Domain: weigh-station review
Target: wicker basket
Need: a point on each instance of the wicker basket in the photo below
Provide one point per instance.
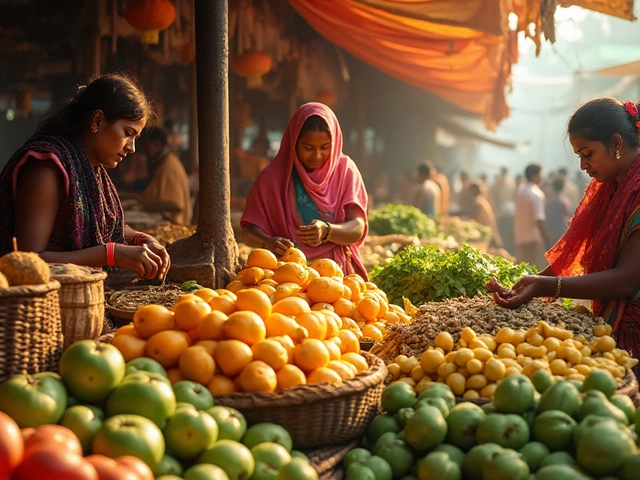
(81, 304)
(327, 461)
(317, 415)
(31, 338)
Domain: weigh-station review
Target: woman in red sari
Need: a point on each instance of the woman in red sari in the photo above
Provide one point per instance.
(311, 195)
(598, 257)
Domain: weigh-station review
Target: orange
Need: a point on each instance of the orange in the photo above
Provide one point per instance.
(310, 354)
(343, 307)
(189, 314)
(372, 332)
(290, 376)
(291, 272)
(315, 323)
(391, 317)
(221, 385)
(231, 356)
(356, 360)
(235, 286)
(270, 352)
(186, 296)
(130, 346)
(324, 375)
(224, 303)
(211, 327)
(209, 345)
(326, 267)
(292, 254)
(206, 294)
(350, 366)
(324, 289)
(268, 275)
(166, 347)
(268, 282)
(350, 324)
(174, 375)
(129, 329)
(254, 300)
(342, 369)
(251, 275)
(334, 316)
(270, 291)
(332, 325)
(245, 326)
(369, 308)
(286, 290)
(278, 324)
(152, 319)
(287, 343)
(305, 297)
(346, 292)
(350, 342)
(197, 365)
(371, 286)
(382, 300)
(291, 306)
(312, 274)
(334, 350)
(322, 306)
(258, 377)
(227, 293)
(237, 384)
(263, 258)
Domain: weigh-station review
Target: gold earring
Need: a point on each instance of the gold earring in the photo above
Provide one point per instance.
(617, 154)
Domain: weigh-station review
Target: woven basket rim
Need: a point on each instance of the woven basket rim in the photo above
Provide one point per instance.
(29, 290)
(94, 276)
(304, 394)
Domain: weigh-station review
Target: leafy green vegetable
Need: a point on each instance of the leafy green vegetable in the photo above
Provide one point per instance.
(190, 286)
(425, 274)
(403, 220)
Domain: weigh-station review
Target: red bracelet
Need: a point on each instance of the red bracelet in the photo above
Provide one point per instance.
(111, 254)
(134, 239)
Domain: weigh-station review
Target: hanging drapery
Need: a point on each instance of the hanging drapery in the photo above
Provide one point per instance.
(465, 67)
(618, 8)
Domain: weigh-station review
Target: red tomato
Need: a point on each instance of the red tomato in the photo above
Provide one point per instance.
(54, 462)
(11, 445)
(139, 466)
(26, 433)
(109, 469)
(54, 435)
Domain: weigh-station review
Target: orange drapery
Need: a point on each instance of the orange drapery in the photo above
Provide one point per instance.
(465, 67)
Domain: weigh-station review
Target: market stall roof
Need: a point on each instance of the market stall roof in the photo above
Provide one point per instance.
(617, 8)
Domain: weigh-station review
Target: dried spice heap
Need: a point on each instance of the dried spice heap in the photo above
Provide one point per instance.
(132, 300)
(482, 315)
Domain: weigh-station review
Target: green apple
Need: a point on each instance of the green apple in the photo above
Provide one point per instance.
(33, 400)
(297, 469)
(231, 423)
(267, 432)
(168, 466)
(205, 471)
(189, 432)
(144, 364)
(233, 457)
(272, 454)
(84, 421)
(193, 393)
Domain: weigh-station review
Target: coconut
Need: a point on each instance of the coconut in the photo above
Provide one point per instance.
(3, 281)
(24, 268)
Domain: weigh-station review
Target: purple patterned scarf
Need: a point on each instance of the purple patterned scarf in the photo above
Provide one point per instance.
(95, 212)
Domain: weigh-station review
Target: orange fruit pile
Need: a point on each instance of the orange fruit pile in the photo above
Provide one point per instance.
(278, 324)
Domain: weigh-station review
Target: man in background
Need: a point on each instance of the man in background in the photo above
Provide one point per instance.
(426, 195)
(529, 227)
(502, 191)
(558, 211)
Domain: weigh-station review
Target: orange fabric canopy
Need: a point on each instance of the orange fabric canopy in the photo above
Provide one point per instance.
(462, 65)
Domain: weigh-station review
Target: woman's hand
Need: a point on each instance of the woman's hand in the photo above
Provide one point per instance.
(139, 258)
(313, 233)
(522, 292)
(278, 245)
(160, 251)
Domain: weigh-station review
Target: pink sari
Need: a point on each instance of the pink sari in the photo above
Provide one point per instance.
(271, 203)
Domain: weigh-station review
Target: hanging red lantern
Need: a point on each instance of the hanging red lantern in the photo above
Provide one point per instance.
(328, 97)
(252, 65)
(150, 16)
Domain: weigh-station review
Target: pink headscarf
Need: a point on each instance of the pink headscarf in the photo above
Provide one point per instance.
(271, 203)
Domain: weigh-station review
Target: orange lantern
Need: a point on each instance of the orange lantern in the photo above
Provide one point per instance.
(150, 16)
(252, 65)
(328, 97)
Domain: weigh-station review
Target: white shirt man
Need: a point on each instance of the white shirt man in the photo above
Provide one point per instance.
(529, 222)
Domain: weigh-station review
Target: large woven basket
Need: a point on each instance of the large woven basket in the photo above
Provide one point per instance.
(317, 415)
(327, 461)
(81, 304)
(31, 338)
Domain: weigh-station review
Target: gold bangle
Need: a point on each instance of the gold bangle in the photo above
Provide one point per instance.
(329, 230)
(558, 286)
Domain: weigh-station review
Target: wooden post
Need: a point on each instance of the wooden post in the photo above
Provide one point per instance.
(210, 255)
(193, 120)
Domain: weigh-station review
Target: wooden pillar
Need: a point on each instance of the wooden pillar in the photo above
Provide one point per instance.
(210, 255)
(193, 120)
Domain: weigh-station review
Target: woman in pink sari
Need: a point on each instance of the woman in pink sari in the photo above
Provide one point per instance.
(311, 195)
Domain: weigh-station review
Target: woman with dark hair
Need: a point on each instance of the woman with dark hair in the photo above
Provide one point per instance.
(311, 194)
(597, 258)
(55, 195)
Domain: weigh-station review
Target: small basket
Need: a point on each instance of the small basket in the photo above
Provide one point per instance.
(81, 304)
(317, 415)
(31, 338)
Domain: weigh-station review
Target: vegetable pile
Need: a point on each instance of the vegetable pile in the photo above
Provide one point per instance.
(425, 274)
(401, 219)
